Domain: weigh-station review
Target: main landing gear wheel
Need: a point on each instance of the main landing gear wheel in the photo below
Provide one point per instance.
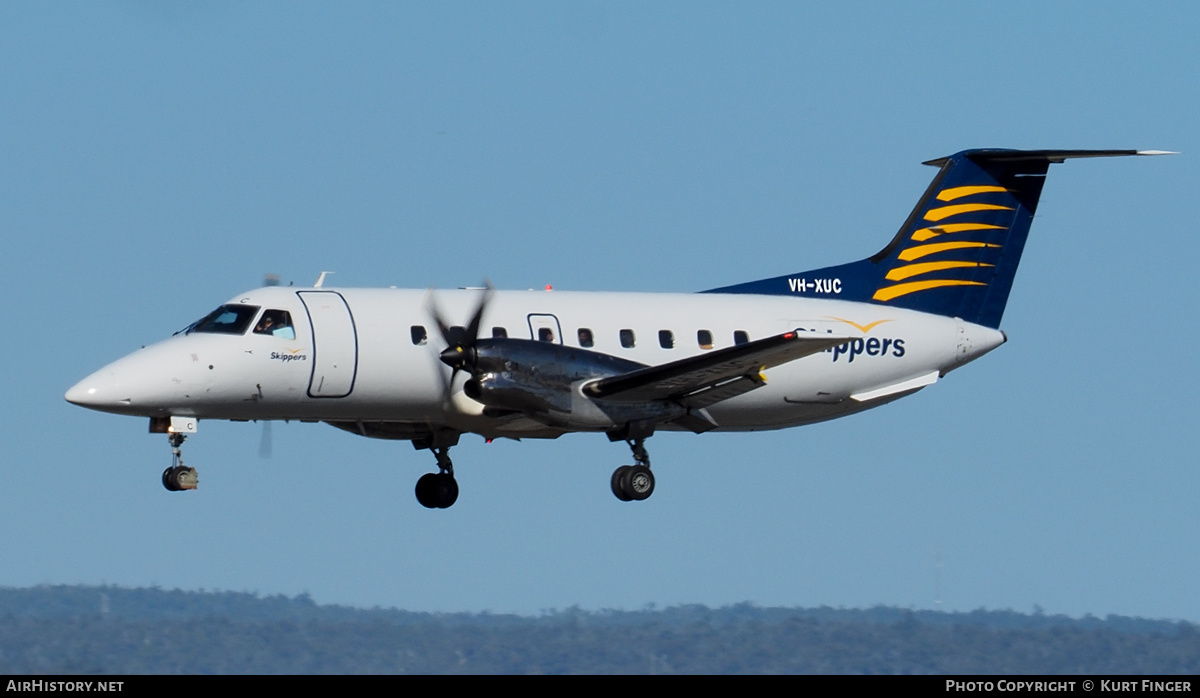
(639, 483)
(632, 483)
(437, 490)
(619, 476)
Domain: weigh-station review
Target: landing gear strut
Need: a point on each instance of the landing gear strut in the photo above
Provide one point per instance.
(634, 482)
(438, 490)
(178, 476)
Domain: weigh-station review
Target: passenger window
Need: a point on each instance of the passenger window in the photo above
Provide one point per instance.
(545, 334)
(586, 339)
(627, 339)
(704, 339)
(277, 323)
(666, 339)
(500, 332)
(740, 337)
(419, 336)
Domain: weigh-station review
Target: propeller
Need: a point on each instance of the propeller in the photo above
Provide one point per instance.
(460, 354)
(264, 442)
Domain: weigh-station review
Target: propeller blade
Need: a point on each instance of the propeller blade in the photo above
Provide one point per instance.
(435, 312)
(459, 353)
(477, 318)
(264, 444)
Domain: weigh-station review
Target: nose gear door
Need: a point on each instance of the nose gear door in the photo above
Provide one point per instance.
(335, 344)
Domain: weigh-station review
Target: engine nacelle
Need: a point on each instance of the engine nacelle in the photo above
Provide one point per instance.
(542, 380)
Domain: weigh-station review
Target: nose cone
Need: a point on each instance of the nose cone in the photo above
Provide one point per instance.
(99, 391)
(148, 382)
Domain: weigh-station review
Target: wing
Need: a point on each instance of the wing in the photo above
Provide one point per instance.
(699, 381)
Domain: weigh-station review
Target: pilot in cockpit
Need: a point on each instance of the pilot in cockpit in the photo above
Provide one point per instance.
(277, 323)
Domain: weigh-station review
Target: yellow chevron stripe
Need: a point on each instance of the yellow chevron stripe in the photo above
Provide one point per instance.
(861, 328)
(959, 192)
(924, 250)
(901, 273)
(890, 292)
(928, 233)
(937, 214)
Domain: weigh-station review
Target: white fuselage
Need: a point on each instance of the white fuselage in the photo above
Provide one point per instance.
(372, 356)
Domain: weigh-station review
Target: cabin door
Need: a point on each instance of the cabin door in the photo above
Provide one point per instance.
(335, 344)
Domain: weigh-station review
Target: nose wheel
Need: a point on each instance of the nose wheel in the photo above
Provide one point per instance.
(179, 477)
(634, 483)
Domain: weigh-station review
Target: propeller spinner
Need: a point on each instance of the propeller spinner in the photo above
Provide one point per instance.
(460, 354)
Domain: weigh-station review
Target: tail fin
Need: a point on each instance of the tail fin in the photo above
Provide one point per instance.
(957, 253)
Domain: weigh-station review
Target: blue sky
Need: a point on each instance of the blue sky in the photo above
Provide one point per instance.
(159, 158)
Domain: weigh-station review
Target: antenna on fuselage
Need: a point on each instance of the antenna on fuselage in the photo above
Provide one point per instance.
(270, 279)
(321, 279)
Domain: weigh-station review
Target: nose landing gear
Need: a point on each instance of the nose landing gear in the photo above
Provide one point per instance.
(179, 477)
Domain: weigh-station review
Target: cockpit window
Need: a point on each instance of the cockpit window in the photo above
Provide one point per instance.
(277, 323)
(228, 319)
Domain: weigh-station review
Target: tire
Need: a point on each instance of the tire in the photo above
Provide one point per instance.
(445, 491)
(619, 478)
(425, 487)
(639, 483)
(168, 480)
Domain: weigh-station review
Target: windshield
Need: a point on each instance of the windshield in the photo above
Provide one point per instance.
(228, 319)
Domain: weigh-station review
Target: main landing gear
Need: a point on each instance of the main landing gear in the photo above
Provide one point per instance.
(179, 476)
(633, 483)
(438, 490)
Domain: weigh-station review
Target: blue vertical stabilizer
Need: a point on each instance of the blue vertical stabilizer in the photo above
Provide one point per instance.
(957, 253)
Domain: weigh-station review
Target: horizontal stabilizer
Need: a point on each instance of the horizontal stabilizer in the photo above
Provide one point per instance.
(1047, 156)
(719, 372)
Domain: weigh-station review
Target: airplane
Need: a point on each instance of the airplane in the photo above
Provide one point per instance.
(429, 366)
